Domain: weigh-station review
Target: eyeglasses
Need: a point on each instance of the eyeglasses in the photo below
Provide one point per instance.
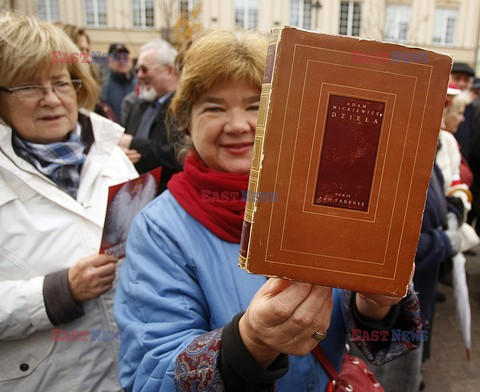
(35, 93)
(145, 68)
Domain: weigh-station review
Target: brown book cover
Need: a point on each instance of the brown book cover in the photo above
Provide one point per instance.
(344, 148)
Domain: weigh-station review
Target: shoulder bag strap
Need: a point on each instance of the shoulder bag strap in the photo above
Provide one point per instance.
(326, 364)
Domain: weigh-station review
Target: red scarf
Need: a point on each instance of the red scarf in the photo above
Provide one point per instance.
(213, 198)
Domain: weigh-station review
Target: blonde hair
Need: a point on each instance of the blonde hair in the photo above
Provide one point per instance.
(26, 51)
(213, 58)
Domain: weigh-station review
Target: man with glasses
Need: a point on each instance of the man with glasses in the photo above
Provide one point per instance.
(145, 141)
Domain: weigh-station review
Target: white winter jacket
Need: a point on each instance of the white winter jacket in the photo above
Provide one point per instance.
(44, 230)
(448, 159)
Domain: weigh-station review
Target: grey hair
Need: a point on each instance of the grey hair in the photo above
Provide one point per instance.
(166, 53)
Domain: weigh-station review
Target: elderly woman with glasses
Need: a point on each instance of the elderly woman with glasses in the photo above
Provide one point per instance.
(57, 331)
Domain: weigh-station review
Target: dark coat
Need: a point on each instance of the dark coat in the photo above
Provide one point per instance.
(474, 160)
(156, 150)
(433, 246)
(463, 134)
(115, 89)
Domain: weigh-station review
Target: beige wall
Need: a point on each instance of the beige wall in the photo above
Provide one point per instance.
(220, 14)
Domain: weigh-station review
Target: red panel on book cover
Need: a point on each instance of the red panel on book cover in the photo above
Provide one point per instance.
(349, 152)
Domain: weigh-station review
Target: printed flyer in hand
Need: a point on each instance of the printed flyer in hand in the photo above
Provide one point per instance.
(125, 200)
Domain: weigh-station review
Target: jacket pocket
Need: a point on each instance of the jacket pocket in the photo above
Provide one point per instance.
(20, 358)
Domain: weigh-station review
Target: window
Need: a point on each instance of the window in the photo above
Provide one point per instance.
(190, 10)
(246, 14)
(444, 26)
(301, 13)
(350, 15)
(143, 13)
(396, 25)
(48, 10)
(95, 13)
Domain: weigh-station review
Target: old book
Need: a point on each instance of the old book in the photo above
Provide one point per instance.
(344, 148)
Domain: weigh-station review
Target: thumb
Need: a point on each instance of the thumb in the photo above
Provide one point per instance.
(274, 286)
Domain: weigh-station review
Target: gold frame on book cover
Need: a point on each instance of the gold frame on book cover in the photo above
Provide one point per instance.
(373, 235)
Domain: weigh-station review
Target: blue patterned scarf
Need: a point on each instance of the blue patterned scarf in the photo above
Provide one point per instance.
(61, 161)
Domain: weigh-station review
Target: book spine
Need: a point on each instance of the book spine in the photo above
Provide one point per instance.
(256, 167)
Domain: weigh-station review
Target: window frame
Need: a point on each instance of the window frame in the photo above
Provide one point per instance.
(302, 8)
(443, 38)
(188, 12)
(398, 18)
(141, 6)
(249, 19)
(49, 7)
(96, 15)
(351, 21)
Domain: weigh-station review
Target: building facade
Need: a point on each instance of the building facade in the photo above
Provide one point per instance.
(450, 26)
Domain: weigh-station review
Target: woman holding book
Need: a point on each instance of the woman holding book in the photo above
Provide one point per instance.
(56, 164)
(190, 318)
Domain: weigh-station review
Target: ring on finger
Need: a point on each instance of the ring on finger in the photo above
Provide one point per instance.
(319, 335)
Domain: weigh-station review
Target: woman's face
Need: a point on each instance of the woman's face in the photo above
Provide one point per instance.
(45, 120)
(222, 126)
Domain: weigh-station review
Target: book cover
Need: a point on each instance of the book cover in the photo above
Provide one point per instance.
(125, 200)
(345, 140)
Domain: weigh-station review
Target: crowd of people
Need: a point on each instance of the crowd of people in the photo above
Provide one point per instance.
(182, 315)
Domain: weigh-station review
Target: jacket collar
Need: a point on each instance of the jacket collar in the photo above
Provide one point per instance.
(106, 134)
(22, 174)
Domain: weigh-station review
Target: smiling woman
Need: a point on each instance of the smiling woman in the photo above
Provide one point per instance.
(190, 318)
(28, 58)
(56, 164)
(44, 112)
(223, 126)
